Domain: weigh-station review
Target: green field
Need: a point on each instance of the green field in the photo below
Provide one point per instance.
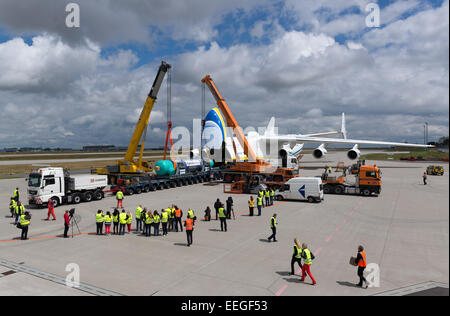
(426, 155)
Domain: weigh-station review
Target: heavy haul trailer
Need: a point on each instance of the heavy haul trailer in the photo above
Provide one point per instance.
(135, 185)
(367, 181)
(275, 177)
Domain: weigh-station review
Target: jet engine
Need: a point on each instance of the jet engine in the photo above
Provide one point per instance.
(320, 152)
(354, 153)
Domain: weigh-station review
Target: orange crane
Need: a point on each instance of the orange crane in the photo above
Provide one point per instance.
(254, 165)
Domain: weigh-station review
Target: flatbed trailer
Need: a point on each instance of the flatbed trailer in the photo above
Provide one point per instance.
(131, 184)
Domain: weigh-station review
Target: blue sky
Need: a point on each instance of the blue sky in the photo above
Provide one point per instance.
(303, 62)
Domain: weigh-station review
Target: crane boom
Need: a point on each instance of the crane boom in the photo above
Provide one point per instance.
(231, 121)
(145, 114)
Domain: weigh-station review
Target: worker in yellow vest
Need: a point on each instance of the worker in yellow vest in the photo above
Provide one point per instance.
(261, 195)
(122, 222)
(138, 214)
(223, 218)
(191, 214)
(156, 221)
(259, 203)
(296, 256)
(24, 224)
(148, 222)
(267, 196)
(16, 194)
(272, 195)
(12, 207)
(251, 206)
(107, 220)
(99, 219)
(129, 221)
(273, 226)
(115, 216)
(172, 218)
(20, 210)
(119, 198)
(308, 257)
(165, 220)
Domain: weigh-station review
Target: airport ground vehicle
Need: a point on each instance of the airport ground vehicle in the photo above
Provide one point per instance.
(301, 188)
(366, 181)
(254, 165)
(435, 170)
(61, 187)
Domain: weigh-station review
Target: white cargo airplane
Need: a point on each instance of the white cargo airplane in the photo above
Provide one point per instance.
(215, 135)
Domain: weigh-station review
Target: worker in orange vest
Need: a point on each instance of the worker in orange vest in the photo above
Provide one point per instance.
(189, 224)
(361, 261)
(177, 219)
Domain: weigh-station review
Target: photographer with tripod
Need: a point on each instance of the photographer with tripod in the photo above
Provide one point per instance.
(66, 223)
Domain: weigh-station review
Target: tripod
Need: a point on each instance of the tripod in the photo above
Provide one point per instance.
(74, 220)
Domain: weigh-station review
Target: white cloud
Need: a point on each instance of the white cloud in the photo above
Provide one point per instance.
(388, 83)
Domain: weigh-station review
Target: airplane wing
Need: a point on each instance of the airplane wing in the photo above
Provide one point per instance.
(326, 140)
(334, 133)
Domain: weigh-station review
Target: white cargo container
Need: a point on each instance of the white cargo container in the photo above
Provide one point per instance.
(55, 184)
(306, 188)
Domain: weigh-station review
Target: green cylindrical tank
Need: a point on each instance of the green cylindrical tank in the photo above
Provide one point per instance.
(211, 163)
(164, 168)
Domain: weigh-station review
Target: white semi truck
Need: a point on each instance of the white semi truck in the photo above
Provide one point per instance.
(56, 184)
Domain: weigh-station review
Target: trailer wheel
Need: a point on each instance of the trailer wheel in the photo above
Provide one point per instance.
(326, 189)
(87, 196)
(98, 195)
(76, 198)
(367, 192)
(339, 189)
(227, 178)
(130, 191)
(138, 190)
(146, 188)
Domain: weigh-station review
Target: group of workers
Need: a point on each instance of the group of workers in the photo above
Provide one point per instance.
(21, 215)
(264, 198)
(171, 220)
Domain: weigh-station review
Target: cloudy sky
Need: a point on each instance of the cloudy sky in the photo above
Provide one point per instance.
(302, 61)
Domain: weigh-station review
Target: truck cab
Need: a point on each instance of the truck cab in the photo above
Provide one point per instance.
(45, 184)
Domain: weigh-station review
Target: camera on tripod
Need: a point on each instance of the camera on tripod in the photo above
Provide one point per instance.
(71, 212)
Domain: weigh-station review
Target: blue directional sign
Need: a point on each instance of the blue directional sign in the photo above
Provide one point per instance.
(302, 190)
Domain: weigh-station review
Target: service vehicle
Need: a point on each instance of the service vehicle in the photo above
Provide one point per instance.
(301, 188)
(57, 184)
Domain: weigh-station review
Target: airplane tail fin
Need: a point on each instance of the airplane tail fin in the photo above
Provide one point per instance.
(270, 130)
(343, 128)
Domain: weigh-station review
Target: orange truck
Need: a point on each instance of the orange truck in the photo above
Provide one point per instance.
(366, 181)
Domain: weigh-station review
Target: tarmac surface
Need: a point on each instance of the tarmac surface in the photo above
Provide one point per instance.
(405, 231)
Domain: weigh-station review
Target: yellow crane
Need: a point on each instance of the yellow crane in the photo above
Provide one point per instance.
(128, 165)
